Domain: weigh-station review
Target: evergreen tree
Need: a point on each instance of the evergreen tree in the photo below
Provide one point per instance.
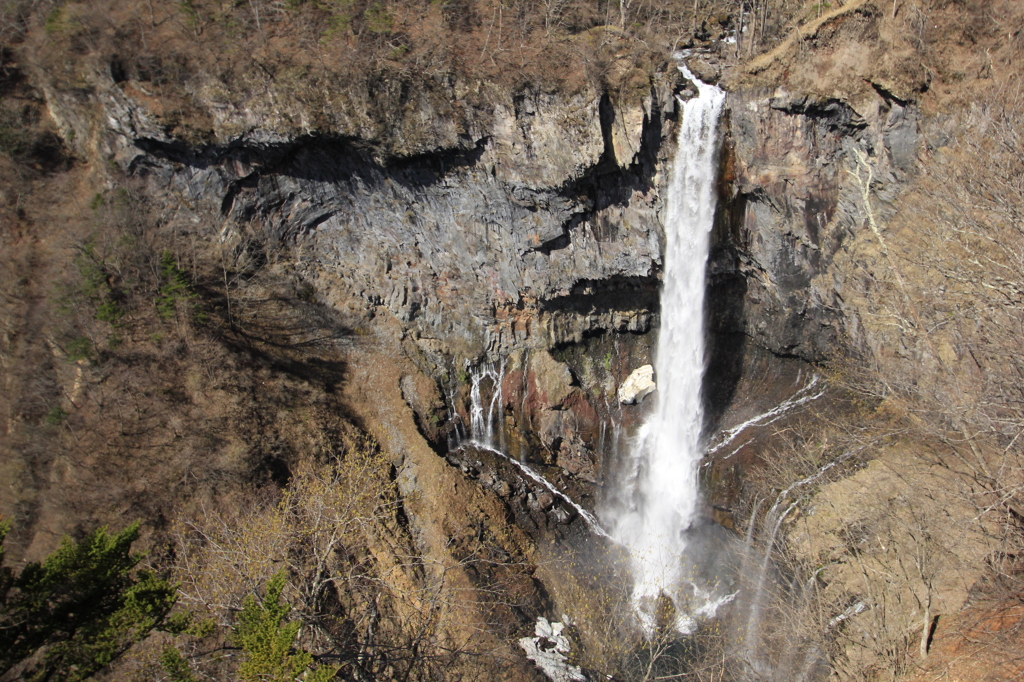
(80, 608)
(268, 641)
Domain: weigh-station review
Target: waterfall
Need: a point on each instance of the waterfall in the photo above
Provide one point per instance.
(482, 424)
(661, 494)
(485, 417)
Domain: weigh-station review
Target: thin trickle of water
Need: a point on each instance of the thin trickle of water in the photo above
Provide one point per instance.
(533, 475)
(482, 424)
(758, 567)
(458, 433)
(485, 418)
(776, 515)
(804, 395)
(752, 522)
(661, 495)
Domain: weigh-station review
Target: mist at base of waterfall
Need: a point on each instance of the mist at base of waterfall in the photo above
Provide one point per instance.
(734, 605)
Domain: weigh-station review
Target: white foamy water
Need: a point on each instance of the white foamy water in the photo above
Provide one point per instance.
(481, 420)
(804, 395)
(661, 494)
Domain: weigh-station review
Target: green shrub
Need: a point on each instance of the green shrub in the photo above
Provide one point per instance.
(341, 14)
(191, 14)
(90, 269)
(15, 138)
(175, 665)
(378, 18)
(79, 348)
(55, 22)
(55, 416)
(176, 287)
(109, 311)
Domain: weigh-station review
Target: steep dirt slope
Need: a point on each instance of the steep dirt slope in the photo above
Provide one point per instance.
(904, 515)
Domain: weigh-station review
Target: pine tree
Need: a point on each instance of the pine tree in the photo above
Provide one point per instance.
(82, 607)
(268, 641)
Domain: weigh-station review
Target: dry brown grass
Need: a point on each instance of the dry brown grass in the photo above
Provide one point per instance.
(925, 537)
(314, 50)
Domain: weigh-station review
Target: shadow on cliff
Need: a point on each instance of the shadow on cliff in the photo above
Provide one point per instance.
(289, 334)
(727, 344)
(609, 182)
(724, 303)
(316, 158)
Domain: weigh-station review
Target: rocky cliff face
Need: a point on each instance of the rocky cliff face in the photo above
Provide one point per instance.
(491, 224)
(522, 228)
(798, 164)
(450, 217)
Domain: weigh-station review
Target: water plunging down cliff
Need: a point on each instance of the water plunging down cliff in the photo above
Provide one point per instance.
(660, 489)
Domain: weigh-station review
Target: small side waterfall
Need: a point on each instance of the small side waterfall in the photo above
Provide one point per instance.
(482, 426)
(795, 660)
(661, 490)
(486, 432)
(811, 391)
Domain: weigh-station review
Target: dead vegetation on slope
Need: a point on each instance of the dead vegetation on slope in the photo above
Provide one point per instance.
(908, 565)
(147, 378)
(142, 377)
(161, 52)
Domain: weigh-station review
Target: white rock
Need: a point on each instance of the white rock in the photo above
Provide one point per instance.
(549, 650)
(636, 387)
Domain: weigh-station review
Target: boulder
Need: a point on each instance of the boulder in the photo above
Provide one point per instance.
(637, 385)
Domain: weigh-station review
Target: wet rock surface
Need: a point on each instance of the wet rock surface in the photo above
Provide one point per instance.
(546, 511)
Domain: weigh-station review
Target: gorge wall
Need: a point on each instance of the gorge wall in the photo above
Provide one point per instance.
(441, 224)
(488, 222)
(476, 224)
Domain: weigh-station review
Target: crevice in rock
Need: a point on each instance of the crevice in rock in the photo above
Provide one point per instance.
(835, 114)
(563, 240)
(606, 114)
(607, 184)
(347, 155)
(887, 95)
(250, 181)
